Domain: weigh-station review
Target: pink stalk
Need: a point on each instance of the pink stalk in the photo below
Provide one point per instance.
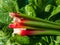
(35, 32)
(13, 14)
(17, 25)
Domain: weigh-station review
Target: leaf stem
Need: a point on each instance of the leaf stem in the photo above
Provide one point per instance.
(41, 25)
(38, 19)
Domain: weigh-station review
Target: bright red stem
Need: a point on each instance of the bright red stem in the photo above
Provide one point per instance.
(30, 32)
(26, 32)
(17, 25)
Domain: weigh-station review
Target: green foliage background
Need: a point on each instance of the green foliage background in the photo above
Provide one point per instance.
(45, 9)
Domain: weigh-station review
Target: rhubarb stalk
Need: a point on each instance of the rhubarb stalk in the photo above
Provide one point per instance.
(32, 18)
(33, 23)
(37, 19)
(41, 25)
(33, 32)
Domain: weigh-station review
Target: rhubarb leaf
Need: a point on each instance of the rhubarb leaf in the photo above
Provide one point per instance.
(30, 11)
(57, 41)
(22, 39)
(54, 12)
(48, 7)
(58, 2)
(4, 18)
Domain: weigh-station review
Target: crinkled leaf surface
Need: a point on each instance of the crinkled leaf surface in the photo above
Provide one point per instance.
(55, 11)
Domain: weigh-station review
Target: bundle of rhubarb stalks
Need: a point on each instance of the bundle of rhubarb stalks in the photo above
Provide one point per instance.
(25, 25)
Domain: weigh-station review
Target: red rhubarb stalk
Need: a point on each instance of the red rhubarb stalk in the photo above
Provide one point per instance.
(16, 25)
(37, 24)
(33, 32)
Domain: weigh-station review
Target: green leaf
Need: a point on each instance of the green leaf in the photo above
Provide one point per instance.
(30, 11)
(9, 42)
(4, 18)
(54, 12)
(47, 8)
(42, 3)
(3, 38)
(58, 2)
(1, 25)
(8, 5)
(57, 41)
(22, 39)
